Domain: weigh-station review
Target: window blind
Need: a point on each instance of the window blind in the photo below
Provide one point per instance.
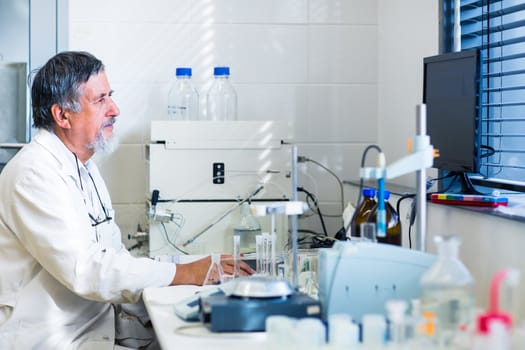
(497, 28)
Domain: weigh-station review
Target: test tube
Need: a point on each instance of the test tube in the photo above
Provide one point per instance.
(236, 256)
(266, 253)
(273, 260)
(258, 254)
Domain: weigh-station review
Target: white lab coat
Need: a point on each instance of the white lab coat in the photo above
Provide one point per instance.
(58, 274)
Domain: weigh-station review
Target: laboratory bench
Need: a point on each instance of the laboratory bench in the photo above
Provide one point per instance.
(175, 333)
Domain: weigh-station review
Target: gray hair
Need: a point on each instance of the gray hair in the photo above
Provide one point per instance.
(59, 82)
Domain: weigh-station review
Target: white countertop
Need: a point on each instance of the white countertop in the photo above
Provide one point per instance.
(175, 333)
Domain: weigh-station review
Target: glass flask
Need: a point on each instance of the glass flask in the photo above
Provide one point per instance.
(247, 228)
(447, 292)
(215, 272)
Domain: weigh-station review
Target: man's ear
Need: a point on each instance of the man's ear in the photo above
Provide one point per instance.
(61, 116)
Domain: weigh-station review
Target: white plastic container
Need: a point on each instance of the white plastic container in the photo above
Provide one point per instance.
(221, 100)
(183, 98)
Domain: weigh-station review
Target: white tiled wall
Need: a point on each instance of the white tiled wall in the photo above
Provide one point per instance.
(348, 73)
(313, 62)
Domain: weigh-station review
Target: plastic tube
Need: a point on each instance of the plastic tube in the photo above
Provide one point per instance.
(381, 210)
(494, 312)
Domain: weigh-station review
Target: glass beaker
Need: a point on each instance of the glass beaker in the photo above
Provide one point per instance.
(236, 262)
(368, 231)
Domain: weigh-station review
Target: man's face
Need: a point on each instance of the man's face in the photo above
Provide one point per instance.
(93, 125)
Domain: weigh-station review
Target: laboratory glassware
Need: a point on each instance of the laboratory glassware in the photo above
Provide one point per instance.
(247, 228)
(221, 99)
(393, 224)
(215, 272)
(183, 98)
(363, 211)
(368, 231)
(447, 292)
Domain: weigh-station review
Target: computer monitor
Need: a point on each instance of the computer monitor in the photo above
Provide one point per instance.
(451, 92)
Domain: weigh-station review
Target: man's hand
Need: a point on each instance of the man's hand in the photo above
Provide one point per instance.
(195, 272)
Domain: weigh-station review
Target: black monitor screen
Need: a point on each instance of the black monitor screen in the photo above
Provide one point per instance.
(451, 93)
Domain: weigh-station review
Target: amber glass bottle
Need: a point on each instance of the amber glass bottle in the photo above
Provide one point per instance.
(363, 211)
(393, 224)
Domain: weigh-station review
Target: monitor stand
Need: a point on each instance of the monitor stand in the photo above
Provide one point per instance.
(466, 185)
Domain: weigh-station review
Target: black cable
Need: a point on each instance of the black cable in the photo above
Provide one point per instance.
(361, 184)
(490, 151)
(341, 190)
(312, 197)
(402, 198)
(316, 240)
(454, 176)
(412, 216)
(410, 237)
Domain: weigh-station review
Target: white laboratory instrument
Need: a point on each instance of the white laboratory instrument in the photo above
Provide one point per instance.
(203, 171)
(358, 278)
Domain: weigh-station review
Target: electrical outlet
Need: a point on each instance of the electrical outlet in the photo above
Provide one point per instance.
(218, 173)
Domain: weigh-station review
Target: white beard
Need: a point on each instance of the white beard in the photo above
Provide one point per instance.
(102, 144)
(105, 145)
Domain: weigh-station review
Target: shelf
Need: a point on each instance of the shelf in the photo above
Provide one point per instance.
(11, 145)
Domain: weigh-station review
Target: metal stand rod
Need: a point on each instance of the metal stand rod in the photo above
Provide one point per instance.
(294, 221)
(421, 188)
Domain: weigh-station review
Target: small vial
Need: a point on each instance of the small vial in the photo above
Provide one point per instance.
(374, 332)
(310, 333)
(342, 332)
(280, 332)
(396, 314)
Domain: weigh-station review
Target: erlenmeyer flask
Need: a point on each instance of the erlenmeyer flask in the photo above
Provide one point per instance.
(215, 272)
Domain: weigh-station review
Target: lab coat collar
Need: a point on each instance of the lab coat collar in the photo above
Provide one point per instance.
(60, 152)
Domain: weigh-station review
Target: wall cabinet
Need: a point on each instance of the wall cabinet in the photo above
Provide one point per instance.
(30, 33)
